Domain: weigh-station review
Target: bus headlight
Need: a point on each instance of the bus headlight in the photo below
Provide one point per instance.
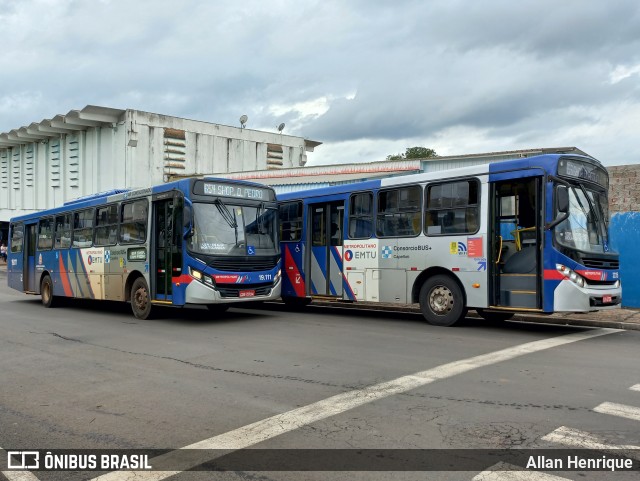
(198, 275)
(276, 279)
(195, 274)
(573, 276)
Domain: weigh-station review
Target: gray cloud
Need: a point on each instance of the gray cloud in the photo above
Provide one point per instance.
(406, 71)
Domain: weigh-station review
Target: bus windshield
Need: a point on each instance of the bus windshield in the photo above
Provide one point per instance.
(586, 227)
(222, 229)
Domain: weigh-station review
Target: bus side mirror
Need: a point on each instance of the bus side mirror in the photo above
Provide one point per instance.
(187, 224)
(562, 206)
(562, 199)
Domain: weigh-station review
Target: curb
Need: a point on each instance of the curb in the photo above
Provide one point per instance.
(562, 321)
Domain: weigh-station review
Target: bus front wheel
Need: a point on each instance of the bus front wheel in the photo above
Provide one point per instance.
(442, 301)
(140, 300)
(46, 292)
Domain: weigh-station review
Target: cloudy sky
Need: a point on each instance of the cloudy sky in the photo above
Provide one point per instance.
(367, 78)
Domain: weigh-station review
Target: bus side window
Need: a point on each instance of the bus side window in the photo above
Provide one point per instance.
(62, 239)
(133, 222)
(452, 207)
(45, 234)
(361, 215)
(291, 221)
(17, 236)
(83, 228)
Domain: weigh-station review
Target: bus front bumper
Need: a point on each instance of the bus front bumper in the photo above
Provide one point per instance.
(568, 297)
(198, 293)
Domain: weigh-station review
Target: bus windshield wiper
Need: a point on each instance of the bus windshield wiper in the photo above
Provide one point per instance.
(225, 213)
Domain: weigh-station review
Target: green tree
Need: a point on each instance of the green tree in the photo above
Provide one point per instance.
(414, 153)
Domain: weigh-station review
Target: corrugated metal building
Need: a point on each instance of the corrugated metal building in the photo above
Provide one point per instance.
(291, 180)
(95, 149)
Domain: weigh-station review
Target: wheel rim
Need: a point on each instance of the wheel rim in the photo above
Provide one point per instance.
(441, 300)
(141, 299)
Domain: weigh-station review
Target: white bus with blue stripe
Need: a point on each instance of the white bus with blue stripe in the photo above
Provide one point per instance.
(526, 235)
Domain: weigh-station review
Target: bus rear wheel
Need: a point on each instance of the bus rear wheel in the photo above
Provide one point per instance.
(140, 300)
(46, 292)
(494, 316)
(442, 301)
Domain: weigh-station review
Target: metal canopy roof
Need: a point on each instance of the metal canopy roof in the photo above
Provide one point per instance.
(72, 121)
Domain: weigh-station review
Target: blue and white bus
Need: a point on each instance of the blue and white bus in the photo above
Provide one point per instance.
(204, 241)
(526, 235)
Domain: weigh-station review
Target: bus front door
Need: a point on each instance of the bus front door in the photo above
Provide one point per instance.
(167, 259)
(30, 258)
(516, 253)
(326, 239)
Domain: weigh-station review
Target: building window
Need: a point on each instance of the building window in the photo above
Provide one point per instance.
(361, 216)
(399, 212)
(452, 208)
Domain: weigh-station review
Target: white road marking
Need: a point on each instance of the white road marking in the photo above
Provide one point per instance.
(635, 387)
(584, 440)
(620, 410)
(17, 475)
(273, 426)
(509, 472)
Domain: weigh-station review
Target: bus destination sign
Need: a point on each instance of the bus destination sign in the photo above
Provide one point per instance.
(233, 190)
(583, 170)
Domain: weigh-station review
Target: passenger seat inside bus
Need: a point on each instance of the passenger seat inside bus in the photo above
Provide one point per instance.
(521, 262)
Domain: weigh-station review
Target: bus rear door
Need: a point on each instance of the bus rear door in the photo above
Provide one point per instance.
(325, 238)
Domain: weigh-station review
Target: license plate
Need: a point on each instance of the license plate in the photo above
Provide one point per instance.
(251, 293)
(606, 299)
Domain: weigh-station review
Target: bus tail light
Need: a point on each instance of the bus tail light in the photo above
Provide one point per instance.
(573, 276)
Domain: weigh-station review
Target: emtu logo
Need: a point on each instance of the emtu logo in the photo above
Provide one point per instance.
(348, 255)
(25, 459)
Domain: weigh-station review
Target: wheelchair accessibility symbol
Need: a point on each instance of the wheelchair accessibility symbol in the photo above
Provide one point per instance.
(251, 251)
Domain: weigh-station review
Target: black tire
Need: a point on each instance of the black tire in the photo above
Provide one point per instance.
(46, 292)
(218, 308)
(296, 301)
(140, 299)
(442, 301)
(494, 316)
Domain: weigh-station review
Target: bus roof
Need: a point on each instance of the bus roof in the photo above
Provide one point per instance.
(101, 198)
(546, 162)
